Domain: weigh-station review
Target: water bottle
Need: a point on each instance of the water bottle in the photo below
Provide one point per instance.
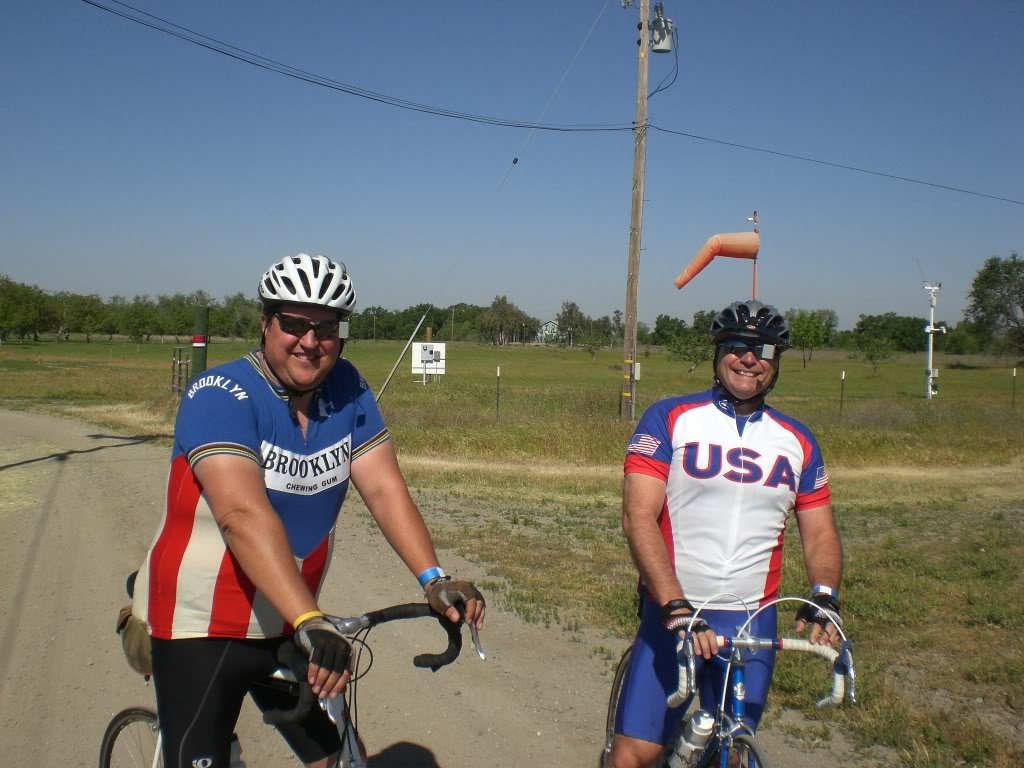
(696, 732)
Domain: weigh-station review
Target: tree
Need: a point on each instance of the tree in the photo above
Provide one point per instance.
(239, 317)
(963, 339)
(505, 323)
(114, 316)
(7, 306)
(873, 348)
(996, 302)
(84, 314)
(906, 334)
(25, 310)
(617, 327)
(571, 322)
(702, 320)
(141, 319)
(666, 328)
(592, 343)
(693, 346)
(810, 329)
(643, 333)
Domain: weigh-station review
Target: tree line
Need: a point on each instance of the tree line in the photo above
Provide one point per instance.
(993, 322)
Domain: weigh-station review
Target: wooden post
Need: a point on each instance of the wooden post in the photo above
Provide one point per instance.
(627, 404)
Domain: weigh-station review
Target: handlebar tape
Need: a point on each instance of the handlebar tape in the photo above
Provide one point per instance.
(289, 656)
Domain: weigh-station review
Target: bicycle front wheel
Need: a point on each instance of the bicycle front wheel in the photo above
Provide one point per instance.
(746, 752)
(132, 740)
(613, 704)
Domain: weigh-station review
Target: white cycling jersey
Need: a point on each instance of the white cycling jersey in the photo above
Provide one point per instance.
(730, 484)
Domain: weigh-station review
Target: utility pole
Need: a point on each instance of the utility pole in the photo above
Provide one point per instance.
(931, 386)
(627, 405)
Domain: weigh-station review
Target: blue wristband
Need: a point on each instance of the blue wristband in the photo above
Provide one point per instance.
(429, 575)
(821, 589)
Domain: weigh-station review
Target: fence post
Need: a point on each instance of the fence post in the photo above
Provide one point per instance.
(842, 390)
(497, 396)
(1013, 390)
(199, 339)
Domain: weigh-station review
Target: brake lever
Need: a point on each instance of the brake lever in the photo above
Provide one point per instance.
(475, 634)
(335, 708)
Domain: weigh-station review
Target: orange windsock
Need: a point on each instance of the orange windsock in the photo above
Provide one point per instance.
(736, 245)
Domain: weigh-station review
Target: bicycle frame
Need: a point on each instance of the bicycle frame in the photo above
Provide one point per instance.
(732, 723)
(293, 672)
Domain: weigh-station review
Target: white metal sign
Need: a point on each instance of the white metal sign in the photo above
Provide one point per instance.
(428, 358)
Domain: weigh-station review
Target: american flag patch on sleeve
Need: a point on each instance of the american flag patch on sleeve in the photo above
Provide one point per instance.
(821, 478)
(645, 444)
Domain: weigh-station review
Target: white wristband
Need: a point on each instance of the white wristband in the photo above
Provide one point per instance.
(821, 589)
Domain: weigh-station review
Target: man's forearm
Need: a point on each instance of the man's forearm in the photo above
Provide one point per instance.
(258, 541)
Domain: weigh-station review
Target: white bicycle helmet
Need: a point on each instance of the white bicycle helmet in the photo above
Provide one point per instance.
(305, 279)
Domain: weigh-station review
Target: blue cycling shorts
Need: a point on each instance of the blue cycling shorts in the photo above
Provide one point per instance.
(653, 674)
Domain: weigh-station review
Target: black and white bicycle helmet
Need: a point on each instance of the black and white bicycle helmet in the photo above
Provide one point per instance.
(751, 320)
(305, 279)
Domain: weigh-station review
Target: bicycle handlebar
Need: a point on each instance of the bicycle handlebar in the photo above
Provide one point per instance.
(843, 677)
(291, 658)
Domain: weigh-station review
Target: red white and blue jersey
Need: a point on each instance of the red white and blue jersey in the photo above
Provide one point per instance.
(191, 585)
(730, 485)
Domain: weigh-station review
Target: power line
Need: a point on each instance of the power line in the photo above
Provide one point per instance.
(835, 165)
(256, 60)
(248, 57)
(544, 111)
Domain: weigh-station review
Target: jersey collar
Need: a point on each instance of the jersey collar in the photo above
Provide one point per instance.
(724, 403)
(277, 389)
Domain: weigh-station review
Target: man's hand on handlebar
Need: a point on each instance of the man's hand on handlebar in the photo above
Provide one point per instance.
(823, 618)
(329, 654)
(677, 616)
(445, 594)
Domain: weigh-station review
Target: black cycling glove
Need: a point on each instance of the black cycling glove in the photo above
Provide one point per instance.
(824, 611)
(674, 622)
(323, 644)
(445, 592)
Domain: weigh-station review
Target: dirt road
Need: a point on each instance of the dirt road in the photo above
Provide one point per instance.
(77, 509)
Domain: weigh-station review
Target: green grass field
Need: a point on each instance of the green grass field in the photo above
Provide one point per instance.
(927, 495)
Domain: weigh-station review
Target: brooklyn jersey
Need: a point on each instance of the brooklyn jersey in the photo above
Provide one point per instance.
(730, 484)
(191, 585)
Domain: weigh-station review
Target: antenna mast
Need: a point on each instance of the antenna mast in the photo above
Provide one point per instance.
(931, 375)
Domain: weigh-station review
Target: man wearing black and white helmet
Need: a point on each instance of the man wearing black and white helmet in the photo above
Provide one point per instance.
(264, 450)
(710, 482)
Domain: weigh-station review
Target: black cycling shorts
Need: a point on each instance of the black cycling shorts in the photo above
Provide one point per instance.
(200, 684)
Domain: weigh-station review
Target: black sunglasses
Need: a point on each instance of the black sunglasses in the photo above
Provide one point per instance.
(300, 326)
(740, 348)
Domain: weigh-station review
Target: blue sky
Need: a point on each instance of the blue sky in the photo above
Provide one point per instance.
(132, 162)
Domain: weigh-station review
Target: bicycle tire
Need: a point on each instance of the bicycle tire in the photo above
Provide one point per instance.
(131, 739)
(746, 746)
(613, 705)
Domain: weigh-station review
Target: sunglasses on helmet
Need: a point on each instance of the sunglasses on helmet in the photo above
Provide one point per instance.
(322, 329)
(739, 347)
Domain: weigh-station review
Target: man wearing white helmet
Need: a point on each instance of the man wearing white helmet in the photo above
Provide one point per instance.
(264, 449)
(710, 481)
